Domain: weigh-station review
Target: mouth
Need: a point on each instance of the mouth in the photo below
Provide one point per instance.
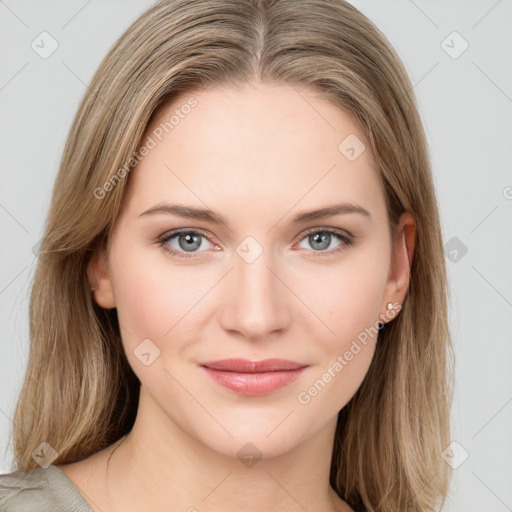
(253, 377)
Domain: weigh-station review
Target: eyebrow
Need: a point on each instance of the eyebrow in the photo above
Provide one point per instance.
(207, 215)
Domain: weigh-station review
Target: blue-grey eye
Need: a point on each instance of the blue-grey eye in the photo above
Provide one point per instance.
(321, 240)
(188, 241)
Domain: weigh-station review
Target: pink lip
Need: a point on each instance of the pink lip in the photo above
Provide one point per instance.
(253, 377)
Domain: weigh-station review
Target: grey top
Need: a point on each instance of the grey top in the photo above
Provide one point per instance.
(42, 490)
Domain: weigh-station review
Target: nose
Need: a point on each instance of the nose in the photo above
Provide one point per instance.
(257, 301)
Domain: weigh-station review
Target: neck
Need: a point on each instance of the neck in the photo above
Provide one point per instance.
(158, 464)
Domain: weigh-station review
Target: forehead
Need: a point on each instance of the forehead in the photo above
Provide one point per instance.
(260, 144)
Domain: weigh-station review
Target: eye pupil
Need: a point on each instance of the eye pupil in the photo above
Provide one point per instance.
(193, 241)
(322, 238)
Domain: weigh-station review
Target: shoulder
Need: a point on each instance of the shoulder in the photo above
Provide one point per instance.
(42, 490)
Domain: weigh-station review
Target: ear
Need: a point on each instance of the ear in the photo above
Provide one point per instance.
(400, 271)
(99, 279)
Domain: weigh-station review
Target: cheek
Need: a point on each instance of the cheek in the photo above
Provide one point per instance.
(345, 354)
(347, 301)
(153, 298)
(346, 298)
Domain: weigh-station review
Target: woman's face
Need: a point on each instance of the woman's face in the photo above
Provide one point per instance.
(255, 274)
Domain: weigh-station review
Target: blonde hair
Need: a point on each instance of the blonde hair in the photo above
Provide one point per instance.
(80, 394)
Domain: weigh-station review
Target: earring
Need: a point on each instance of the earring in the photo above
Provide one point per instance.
(389, 307)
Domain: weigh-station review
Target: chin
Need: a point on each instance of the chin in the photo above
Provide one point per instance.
(253, 447)
(267, 435)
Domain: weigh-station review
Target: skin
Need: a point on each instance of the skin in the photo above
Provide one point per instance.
(257, 156)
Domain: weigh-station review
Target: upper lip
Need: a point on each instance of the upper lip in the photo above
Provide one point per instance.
(246, 366)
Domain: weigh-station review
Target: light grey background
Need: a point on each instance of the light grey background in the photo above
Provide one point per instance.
(466, 103)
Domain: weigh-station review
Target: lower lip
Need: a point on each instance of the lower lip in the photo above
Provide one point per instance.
(254, 383)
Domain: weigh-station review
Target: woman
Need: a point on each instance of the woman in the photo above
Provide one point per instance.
(240, 299)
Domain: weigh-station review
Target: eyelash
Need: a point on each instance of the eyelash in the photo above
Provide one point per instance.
(347, 239)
